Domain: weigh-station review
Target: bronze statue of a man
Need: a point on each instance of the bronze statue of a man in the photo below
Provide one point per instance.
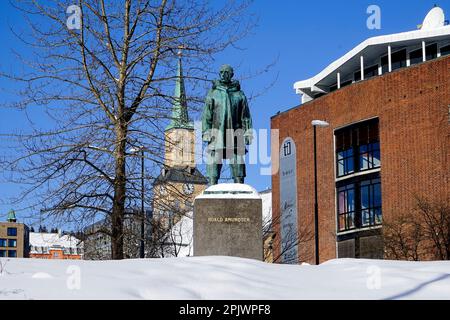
(226, 126)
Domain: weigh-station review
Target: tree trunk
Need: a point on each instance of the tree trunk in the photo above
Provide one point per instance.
(119, 195)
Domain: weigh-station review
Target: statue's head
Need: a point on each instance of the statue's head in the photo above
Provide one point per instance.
(226, 73)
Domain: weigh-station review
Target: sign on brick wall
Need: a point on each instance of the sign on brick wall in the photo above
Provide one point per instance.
(288, 201)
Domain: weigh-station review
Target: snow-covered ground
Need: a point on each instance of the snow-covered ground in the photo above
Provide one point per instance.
(222, 278)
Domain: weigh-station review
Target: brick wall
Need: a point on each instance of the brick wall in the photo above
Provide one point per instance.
(412, 105)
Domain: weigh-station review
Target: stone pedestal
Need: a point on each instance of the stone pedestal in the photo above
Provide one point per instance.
(228, 222)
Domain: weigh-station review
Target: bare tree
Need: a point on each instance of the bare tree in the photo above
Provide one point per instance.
(434, 217)
(420, 234)
(299, 239)
(402, 238)
(103, 89)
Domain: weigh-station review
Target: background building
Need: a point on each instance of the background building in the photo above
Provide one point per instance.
(55, 246)
(14, 238)
(97, 242)
(180, 181)
(387, 103)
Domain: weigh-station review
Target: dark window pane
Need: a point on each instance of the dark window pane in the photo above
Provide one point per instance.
(12, 243)
(365, 217)
(12, 253)
(384, 64)
(445, 50)
(377, 195)
(12, 232)
(346, 207)
(415, 56)
(2, 253)
(378, 216)
(431, 51)
(373, 132)
(2, 242)
(371, 72)
(351, 200)
(346, 83)
(333, 87)
(376, 157)
(398, 59)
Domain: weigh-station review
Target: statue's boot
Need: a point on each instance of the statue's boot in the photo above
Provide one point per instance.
(239, 180)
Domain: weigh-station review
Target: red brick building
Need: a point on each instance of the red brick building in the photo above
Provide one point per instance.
(387, 103)
(55, 246)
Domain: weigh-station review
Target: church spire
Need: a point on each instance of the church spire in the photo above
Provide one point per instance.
(11, 216)
(179, 118)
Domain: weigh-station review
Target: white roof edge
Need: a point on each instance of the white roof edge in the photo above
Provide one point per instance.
(385, 39)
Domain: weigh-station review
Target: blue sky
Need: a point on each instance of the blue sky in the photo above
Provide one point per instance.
(302, 36)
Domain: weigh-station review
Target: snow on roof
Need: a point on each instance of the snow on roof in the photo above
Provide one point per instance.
(41, 239)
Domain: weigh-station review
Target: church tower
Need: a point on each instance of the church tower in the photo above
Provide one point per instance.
(180, 181)
(179, 134)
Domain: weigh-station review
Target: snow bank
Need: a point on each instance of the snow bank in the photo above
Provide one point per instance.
(222, 278)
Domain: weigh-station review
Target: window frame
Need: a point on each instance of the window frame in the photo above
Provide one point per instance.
(354, 132)
(346, 214)
(357, 183)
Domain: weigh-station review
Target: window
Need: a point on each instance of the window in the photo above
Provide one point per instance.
(370, 202)
(359, 202)
(333, 87)
(431, 51)
(2, 242)
(398, 59)
(12, 232)
(357, 76)
(12, 243)
(371, 72)
(12, 253)
(369, 156)
(369, 147)
(345, 162)
(2, 253)
(415, 57)
(384, 64)
(357, 148)
(445, 50)
(346, 207)
(346, 83)
(358, 196)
